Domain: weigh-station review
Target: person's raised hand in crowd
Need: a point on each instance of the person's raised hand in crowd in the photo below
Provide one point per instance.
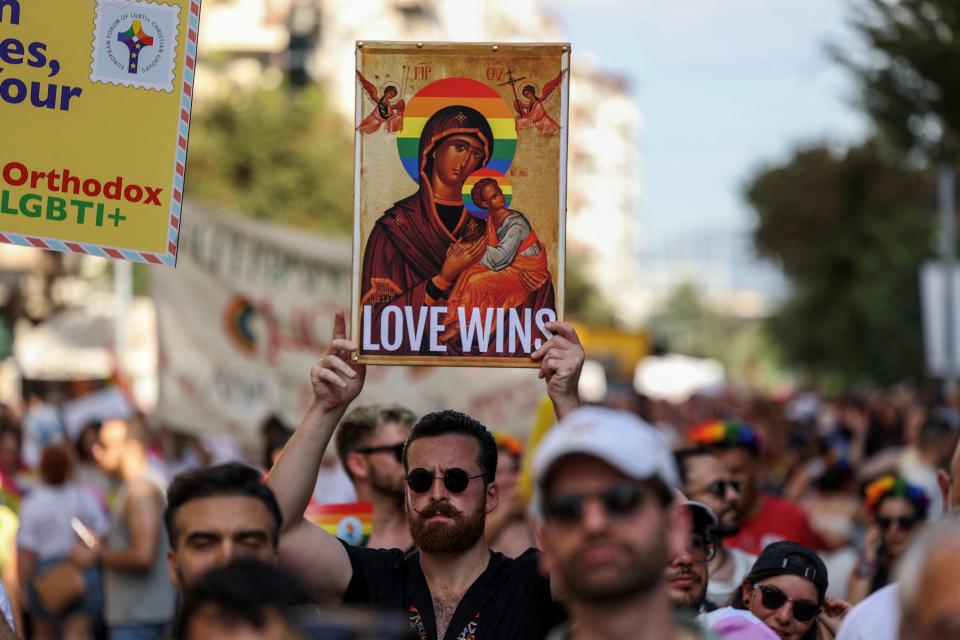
(335, 378)
(834, 610)
(561, 359)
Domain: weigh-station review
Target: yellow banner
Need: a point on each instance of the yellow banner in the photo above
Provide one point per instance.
(95, 102)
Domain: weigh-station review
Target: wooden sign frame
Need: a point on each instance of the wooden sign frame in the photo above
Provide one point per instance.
(459, 201)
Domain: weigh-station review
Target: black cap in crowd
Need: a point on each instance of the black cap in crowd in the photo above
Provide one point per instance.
(790, 558)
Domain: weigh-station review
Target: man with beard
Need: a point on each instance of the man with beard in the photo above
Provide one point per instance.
(766, 518)
(609, 525)
(687, 577)
(452, 586)
(706, 479)
(369, 443)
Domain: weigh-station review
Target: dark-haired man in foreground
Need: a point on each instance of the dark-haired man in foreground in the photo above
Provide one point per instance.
(215, 515)
(453, 585)
(243, 600)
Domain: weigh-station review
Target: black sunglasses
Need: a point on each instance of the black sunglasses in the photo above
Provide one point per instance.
(904, 523)
(619, 500)
(772, 598)
(395, 449)
(455, 480)
(718, 488)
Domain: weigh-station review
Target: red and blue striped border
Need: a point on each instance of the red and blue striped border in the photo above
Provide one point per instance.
(179, 164)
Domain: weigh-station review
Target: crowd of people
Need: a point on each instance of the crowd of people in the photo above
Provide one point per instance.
(723, 517)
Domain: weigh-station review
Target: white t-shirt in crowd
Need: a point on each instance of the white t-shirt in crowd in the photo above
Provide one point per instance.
(877, 617)
(45, 519)
(719, 592)
(333, 485)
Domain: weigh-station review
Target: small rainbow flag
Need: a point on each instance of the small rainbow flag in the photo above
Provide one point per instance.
(352, 522)
(475, 177)
(466, 92)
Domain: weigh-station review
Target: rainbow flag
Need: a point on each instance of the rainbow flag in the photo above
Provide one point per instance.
(351, 522)
(466, 92)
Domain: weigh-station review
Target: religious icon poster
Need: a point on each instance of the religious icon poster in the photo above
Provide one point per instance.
(459, 201)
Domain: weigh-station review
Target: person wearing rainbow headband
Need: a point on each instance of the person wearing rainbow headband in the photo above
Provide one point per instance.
(766, 518)
(897, 509)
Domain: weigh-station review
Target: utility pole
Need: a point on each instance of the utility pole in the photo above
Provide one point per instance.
(947, 193)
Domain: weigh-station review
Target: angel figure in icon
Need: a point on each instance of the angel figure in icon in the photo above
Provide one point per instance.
(531, 113)
(388, 108)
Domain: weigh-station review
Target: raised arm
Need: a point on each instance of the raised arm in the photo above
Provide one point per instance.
(561, 359)
(316, 557)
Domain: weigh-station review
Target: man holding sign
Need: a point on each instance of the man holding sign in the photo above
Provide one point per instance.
(453, 584)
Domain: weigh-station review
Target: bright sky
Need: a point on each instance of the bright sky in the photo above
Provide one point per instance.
(724, 87)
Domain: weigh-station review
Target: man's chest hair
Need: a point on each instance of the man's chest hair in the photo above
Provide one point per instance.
(444, 605)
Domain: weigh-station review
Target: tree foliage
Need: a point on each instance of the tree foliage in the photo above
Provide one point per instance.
(910, 79)
(850, 230)
(274, 154)
(684, 323)
(582, 301)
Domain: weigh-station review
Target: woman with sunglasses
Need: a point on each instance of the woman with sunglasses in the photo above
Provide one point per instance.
(786, 589)
(897, 508)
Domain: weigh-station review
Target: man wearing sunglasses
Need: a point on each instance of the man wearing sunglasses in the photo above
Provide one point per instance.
(369, 444)
(705, 478)
(687, 576)
(608, 525)
(452, 586)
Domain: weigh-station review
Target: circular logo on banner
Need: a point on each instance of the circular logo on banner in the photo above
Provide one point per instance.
(350, 530)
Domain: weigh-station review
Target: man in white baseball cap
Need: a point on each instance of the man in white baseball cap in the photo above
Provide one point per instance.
(608, 525)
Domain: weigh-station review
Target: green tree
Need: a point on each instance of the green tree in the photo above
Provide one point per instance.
(908, 78)
(582, 301)
(684, 323)
(274, 154)
(850, 230)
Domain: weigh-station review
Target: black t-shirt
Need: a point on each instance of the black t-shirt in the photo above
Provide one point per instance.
(509, 601)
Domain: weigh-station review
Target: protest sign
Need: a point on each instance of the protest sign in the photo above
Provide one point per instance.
(95, 100)
(249, 309)
(459, 201)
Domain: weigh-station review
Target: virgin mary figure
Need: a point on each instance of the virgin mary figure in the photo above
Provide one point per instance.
(419, 246)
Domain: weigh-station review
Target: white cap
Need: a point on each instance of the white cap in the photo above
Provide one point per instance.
(620, 439)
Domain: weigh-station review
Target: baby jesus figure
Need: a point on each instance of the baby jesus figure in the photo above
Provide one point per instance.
(513, 264)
